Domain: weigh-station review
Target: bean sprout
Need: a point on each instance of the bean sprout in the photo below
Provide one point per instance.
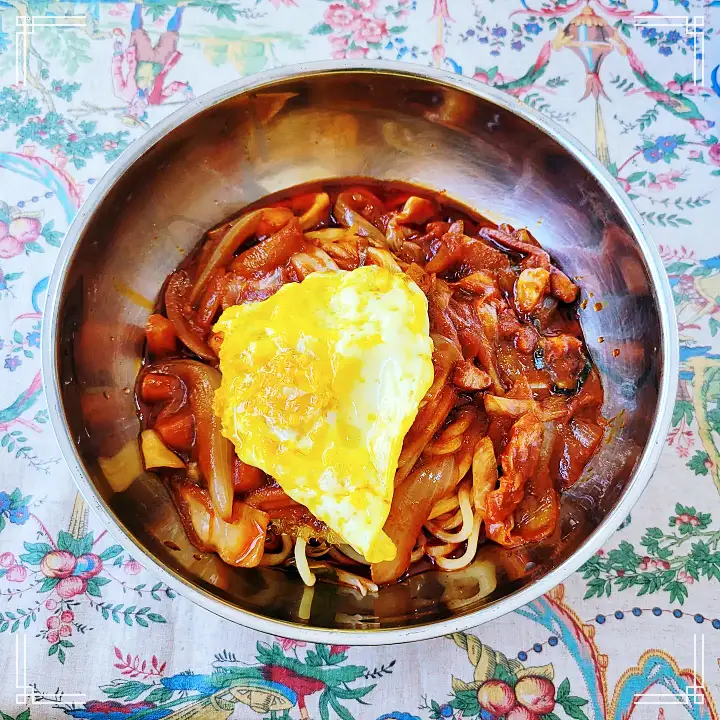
(302, 563)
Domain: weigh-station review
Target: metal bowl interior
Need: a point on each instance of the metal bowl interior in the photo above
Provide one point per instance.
(386, 122)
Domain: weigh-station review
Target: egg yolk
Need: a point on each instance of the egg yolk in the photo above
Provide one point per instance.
(320, 384)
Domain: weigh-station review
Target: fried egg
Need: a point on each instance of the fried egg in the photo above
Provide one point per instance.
(320, 384)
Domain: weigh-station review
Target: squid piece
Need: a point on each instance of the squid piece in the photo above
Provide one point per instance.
(478, 255)
(267, 219)
(239, 540)
(518, 244)
(176, 302)
(519, 460)
(481, 283)
(468, 376)
(215, 452)
(566, 362)
(562, 287)
(561, 346)
(211, 299)
(415, 210)
(238, 290)
(272, 252)
(530, 288)
(446, 254)
(411, 505)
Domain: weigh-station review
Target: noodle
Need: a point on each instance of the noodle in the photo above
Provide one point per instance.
(419, 549)
(306, 602)
(451, 521)
(468, 556)
(279, 557)
(444, 506)
(301, 562)
(438, 551)
(467, 520)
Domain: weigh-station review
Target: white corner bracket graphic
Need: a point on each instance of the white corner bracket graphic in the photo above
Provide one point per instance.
(694, 28)
(692, 695)
(26, 694)
(26, 26)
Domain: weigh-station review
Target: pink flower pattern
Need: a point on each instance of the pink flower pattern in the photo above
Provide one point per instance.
(370, 30)
(14, 237)
(341, 17)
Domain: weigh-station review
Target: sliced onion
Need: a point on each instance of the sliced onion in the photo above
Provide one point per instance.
(176, 293)
(317, 212)
(215, 451)
(245, 227)
(411, 505)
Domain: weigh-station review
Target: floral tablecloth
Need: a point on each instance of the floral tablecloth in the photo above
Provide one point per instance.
(86, 632)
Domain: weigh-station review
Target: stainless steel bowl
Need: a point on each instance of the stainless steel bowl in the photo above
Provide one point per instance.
(322, 121)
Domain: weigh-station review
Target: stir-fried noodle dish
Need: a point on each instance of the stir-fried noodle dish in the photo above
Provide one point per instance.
(369, 380)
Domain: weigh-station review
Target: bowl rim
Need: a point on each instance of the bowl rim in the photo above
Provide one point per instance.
(223, 608)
